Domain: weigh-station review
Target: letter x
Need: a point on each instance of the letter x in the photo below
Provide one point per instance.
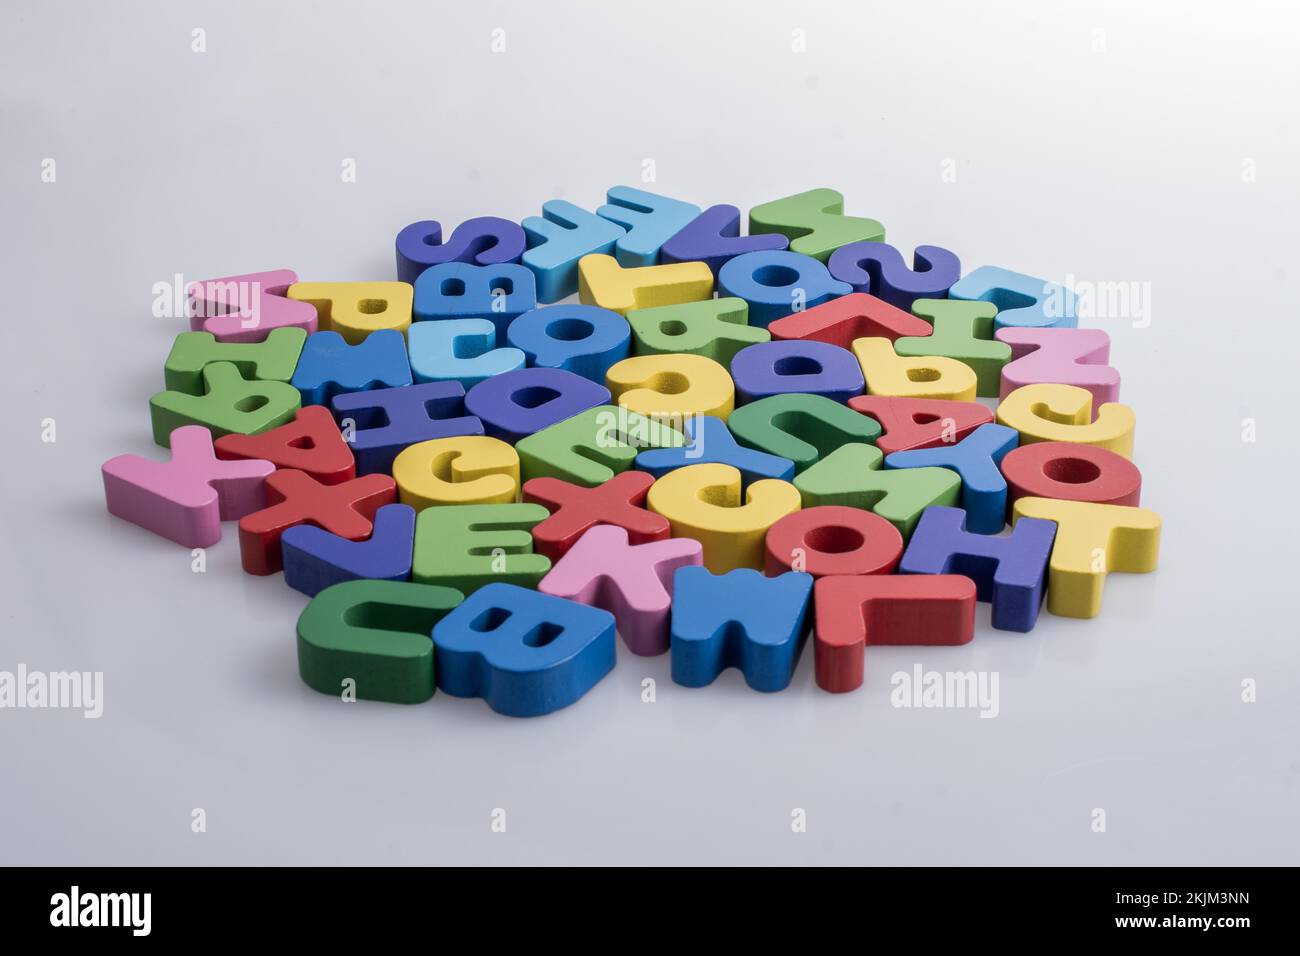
(294, 497)
(575, 509)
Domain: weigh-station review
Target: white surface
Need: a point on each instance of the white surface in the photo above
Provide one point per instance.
(1123, 164)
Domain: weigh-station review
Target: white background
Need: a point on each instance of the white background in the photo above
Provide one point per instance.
(1110, 143)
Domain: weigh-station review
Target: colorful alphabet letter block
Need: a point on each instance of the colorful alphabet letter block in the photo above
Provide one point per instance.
(186, 498)
(895, 375)
(310, 443)
(714, 328)
(468, 546)
(465, 470)
(814, 222)
(852, 476)
(273, 359)
(1009, 571)
(330, 366)
(1022, 301)
(844, 320)
(887, 609)
(672, 387)
(1071, 472)
(712, 443)
(517, 404)
(975, 459)
(604, 283)
(961, 331)
(581, 339)
(833, 539)
(802, 428)
(373, 638)
(631, 581)
(704, 502)
(524, 652)
(777, 283)
(593, 446)
(462, 350)
(459, 290)
(650, 221)
(740, 619)
(315, 559)
(1092, 540)
(713, 237)
(354, 310)
(382, 422)
(483, 241)
(880, 269)
(558, 239)
(229, 405)
(247, 308)
(620, 501)
(910, 423)
(806, 367)
(1064, 413)
(346, 509)
(1062, 357)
